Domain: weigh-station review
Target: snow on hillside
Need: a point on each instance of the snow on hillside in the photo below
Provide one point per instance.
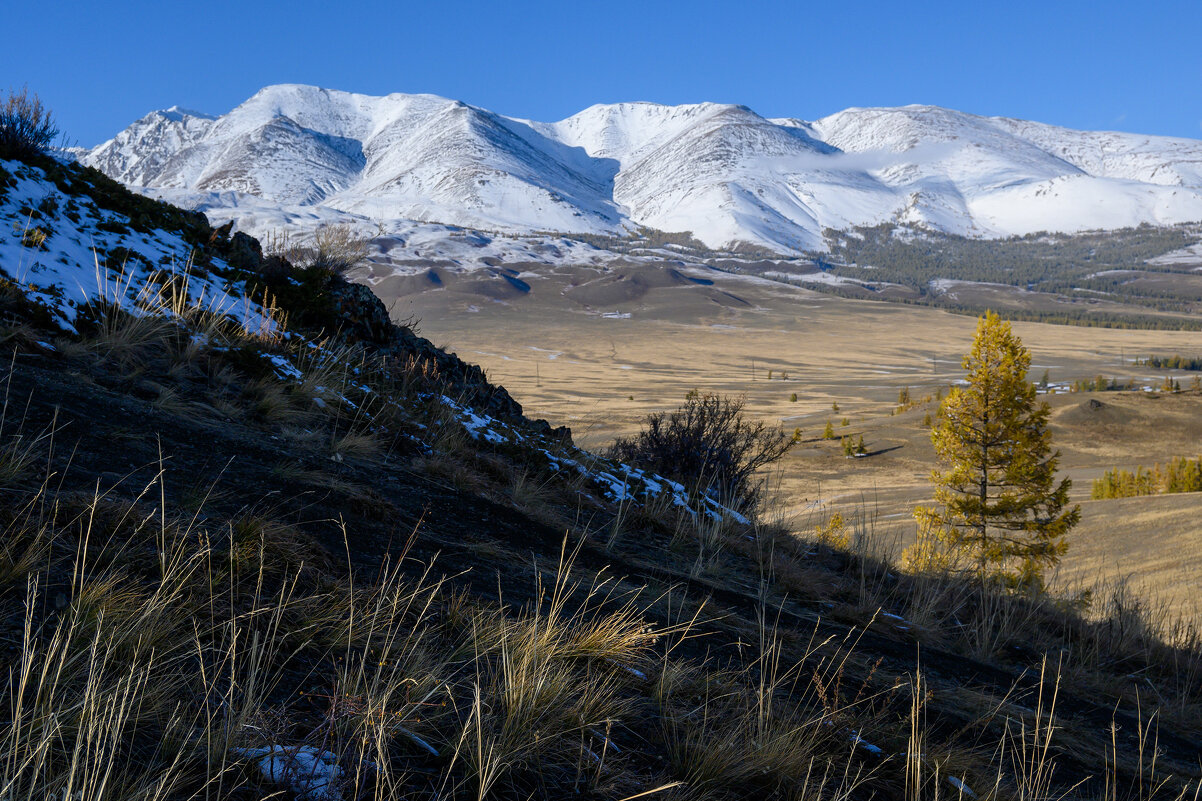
(421, 243)
(148, 148)
(722, 172)
(58, 249)
(65, 251)
(416, 157)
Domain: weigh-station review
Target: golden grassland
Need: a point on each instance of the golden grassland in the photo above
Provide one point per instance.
(601, 372)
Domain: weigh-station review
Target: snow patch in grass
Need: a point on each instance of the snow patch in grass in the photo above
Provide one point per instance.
(308, 772)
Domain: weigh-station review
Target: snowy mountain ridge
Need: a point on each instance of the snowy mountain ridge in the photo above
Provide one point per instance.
(721, 172)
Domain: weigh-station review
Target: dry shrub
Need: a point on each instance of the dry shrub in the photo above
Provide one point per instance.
(707, 444)
(336, 248)
(26, 126)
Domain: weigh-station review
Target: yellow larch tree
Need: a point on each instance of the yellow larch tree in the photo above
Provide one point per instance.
(997, 506)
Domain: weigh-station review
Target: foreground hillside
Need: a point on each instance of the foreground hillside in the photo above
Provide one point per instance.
(260, 542)
(721, 172)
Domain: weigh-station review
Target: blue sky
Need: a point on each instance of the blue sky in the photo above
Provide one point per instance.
(1094, 65)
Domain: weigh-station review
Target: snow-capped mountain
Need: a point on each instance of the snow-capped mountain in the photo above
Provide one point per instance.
(721, 172)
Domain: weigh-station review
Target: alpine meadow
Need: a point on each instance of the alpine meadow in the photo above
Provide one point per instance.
(384, 446)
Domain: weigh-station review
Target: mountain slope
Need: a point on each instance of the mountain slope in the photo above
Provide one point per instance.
(401, 156)
(239, 564)
(148, 148)
(721, 172)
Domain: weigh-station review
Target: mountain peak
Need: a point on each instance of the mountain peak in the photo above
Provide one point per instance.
(178, 113)
(717, 170)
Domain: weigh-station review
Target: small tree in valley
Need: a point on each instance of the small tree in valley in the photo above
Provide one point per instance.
(997, 502)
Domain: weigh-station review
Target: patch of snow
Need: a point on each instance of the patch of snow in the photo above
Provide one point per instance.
(867, 746)
(312, 774)
(68, 268)
(478, 426)
(1102, 273)
(960, 786)
(285, 368)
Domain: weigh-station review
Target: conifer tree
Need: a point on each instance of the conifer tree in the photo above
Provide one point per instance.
(998, 505)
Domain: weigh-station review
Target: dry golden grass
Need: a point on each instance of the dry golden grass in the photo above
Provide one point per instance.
(602, 376)
(221, 623)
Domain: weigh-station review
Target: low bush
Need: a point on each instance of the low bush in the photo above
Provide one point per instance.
(26, 126)
(708, 445)
(335, 248)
